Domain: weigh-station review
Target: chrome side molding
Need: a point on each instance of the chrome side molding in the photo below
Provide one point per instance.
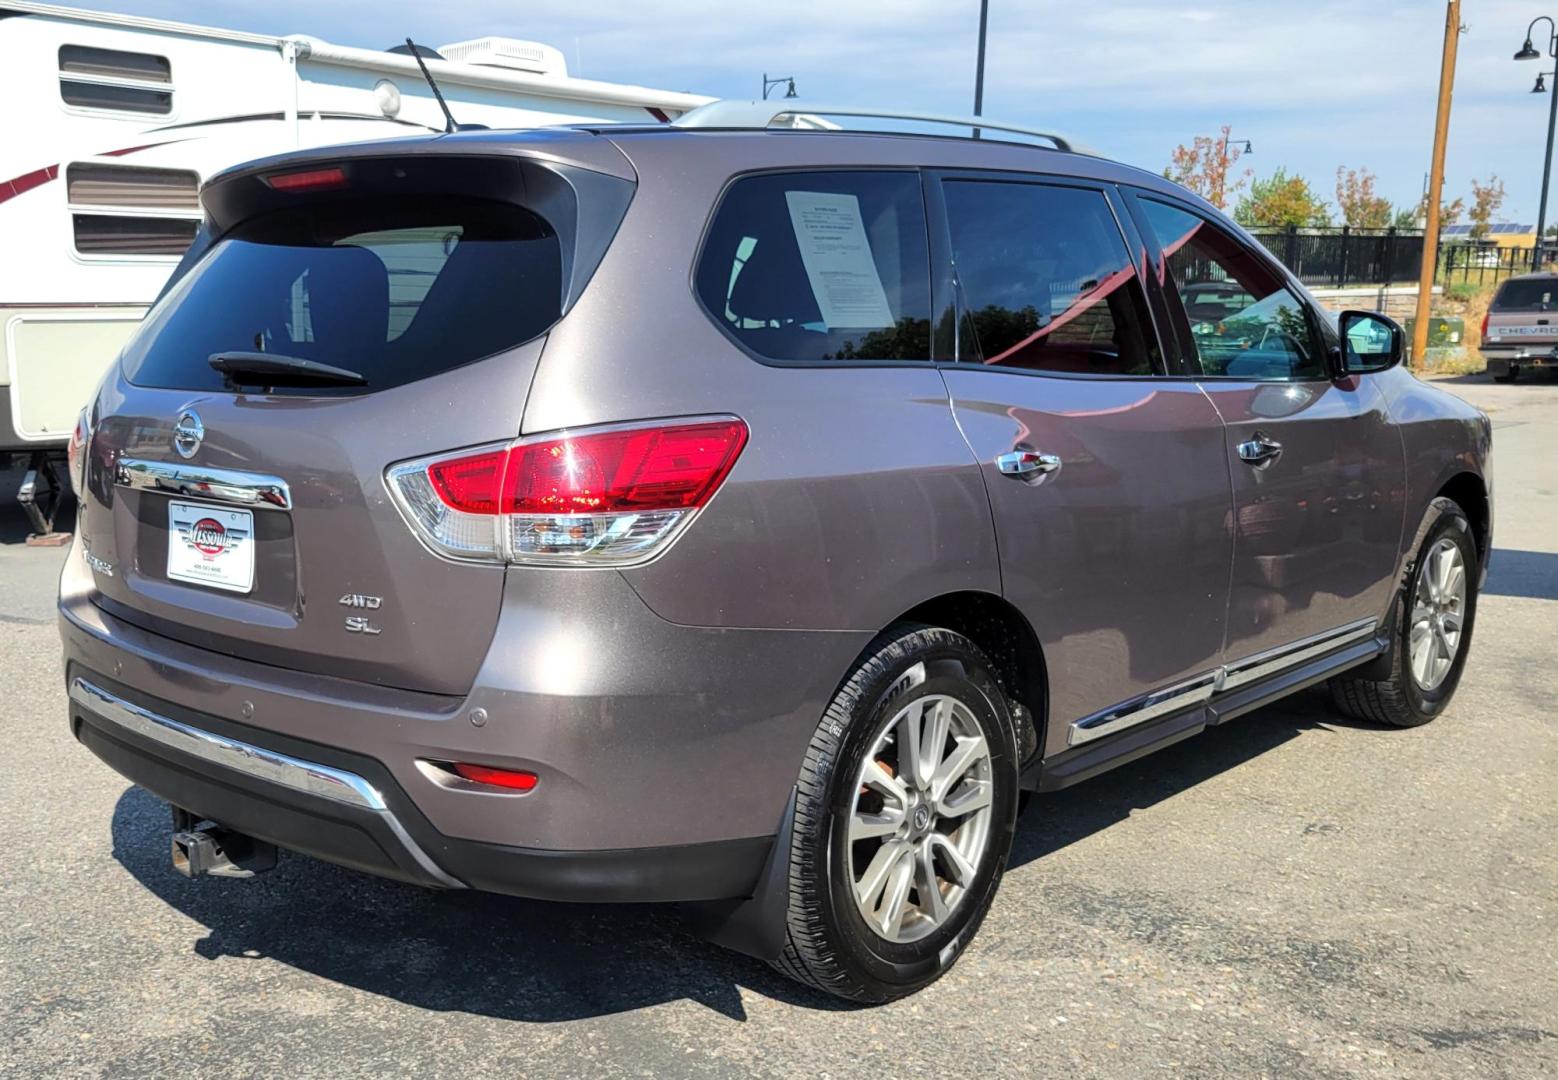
(1202, 688)
(256, 491)
(1147, 707)
(290, 772)
(1293, 653)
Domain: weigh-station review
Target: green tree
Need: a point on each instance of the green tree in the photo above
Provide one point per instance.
(1356, 201)
(1405, 217)
(1281, 200)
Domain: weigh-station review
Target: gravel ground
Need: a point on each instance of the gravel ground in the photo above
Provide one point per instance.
(1290, 894)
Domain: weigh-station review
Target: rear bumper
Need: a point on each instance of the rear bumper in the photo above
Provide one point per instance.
(1500, 359)
(347, 809)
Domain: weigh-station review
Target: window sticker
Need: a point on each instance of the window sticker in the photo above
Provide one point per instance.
(843, 276)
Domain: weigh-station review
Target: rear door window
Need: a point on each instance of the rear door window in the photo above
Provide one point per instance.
(392, 290)
(1044, 280)
(1526, 294)
(821, 267)
(1244, 321)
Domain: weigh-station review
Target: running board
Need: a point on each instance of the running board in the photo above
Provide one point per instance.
(1263, 681)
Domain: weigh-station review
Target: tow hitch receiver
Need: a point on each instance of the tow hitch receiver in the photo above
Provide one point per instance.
(201, 847)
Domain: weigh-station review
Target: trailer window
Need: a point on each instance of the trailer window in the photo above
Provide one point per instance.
(109, 234)
(132, 186)
(115, 80)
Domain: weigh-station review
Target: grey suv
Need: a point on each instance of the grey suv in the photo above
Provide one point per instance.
(735, 516)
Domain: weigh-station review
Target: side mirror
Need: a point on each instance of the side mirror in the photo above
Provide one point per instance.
(1370, 342)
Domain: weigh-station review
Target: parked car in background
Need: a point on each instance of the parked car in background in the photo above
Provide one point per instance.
(735, 515)
(1520, 330)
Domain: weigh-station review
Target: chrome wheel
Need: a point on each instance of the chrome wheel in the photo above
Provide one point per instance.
(920, 821)
(1438, 614)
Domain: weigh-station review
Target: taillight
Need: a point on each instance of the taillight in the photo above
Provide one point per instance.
(511, 779)
(308, 179)
(1485, 315)
(76, 456)
(605, 497)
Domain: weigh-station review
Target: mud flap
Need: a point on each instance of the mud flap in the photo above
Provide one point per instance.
(757, 925)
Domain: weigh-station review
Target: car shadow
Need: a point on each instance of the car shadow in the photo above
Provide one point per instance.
(537, 962)
(1531, 574)
(1059, 819)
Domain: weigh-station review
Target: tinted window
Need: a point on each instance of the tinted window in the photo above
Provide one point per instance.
(1528, 294)
(132, 185)
(1045, 280)
(1244, 322)
(395, 291)
(115, 79)
(821, 266)
(105, 234)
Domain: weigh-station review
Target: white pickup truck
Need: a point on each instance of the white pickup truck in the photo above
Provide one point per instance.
(1520, 331)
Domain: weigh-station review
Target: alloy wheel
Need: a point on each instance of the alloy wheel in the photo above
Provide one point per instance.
(1438, 614)
(920, 819)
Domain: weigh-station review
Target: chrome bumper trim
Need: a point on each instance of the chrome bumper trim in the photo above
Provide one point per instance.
(257, 491)
(290, 772)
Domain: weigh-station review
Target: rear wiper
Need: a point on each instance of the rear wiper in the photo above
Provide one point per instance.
(274, 369)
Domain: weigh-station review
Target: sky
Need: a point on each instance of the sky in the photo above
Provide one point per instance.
(1314, 84)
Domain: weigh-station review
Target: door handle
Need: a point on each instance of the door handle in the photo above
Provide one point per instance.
(1027, 463)
(1260, 451)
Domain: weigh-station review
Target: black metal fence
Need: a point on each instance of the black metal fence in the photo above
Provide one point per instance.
(1339, 257)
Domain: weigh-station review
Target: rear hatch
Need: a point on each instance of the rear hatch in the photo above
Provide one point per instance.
(367, 308)
(1523, 316)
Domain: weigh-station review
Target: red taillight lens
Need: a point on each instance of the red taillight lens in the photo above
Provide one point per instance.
(470, 485)
(308, 179)
(611, 497)
(1485, 315)
(661, 468)
(76, 454)
(511, 779)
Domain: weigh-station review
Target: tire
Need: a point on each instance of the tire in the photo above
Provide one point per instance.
(1401, 698)
(1514, 373)
(911, 674)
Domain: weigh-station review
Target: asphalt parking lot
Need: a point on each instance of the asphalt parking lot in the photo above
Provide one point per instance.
(1291, 894)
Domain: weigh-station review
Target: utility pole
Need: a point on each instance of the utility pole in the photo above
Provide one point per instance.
(1425, 277)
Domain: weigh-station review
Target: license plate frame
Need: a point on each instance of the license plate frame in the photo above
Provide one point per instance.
(211, 546)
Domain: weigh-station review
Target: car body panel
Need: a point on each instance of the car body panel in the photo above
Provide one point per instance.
(1129, 537)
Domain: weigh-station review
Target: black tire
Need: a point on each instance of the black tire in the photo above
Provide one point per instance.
(1385, 692)
(1514, 373)
(829, 945)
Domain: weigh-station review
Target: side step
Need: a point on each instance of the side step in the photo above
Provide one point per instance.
(201, 848)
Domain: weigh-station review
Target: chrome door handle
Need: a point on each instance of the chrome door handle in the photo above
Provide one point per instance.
(1027, 463)
(1260, 451)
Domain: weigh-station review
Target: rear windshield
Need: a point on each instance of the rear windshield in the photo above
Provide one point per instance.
(823, 266)
(391, 290)
(1530, 294)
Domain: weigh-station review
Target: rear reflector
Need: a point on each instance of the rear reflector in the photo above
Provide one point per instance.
(512, 779)
(608, 497)
(308, 179)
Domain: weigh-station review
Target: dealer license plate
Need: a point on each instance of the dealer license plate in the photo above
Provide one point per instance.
(211, 546)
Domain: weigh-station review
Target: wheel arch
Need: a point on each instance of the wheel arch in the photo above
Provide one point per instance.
(1467, 490)
(1006, 636)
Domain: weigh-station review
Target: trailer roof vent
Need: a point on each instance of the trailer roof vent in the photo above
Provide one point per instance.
(511, 53)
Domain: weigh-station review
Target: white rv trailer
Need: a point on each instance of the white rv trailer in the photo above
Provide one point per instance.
(117, 120)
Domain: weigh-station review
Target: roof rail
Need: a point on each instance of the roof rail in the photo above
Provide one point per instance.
(790, 112)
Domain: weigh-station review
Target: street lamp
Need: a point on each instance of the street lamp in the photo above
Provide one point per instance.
(1529, 52)
(769, 84)
(1228, 138)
